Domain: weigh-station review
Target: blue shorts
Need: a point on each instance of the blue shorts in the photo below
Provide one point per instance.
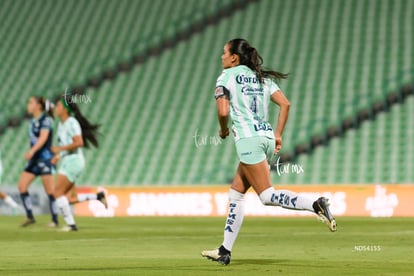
(40, 167)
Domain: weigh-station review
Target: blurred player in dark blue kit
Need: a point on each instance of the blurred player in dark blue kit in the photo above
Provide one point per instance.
(39, 157)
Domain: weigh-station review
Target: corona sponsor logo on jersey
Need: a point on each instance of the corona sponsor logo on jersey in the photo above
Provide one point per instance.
(243, 79)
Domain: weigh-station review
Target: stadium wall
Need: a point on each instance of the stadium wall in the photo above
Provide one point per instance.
(40, 201)
(346, 200)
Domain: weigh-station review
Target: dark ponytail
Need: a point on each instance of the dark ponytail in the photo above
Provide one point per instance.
(47, 106)
(89, 130)
(249, 56)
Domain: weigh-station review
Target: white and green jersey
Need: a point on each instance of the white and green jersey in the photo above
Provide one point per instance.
(249, 101)
(65, 132)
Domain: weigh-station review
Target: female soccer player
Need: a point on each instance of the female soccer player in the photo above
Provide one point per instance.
(38, 157)
(74, 132)
(243, 91)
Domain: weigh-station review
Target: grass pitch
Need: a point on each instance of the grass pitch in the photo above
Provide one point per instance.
(171, 246)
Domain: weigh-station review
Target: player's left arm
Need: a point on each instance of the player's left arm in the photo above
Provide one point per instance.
(280, 99)
(41, 141)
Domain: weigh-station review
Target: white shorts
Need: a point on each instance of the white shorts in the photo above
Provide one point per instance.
(72, 167)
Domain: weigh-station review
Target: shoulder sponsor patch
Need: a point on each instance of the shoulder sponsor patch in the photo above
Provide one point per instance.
(221, 91)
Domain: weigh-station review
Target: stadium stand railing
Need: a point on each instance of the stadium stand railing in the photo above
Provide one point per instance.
(117, 59)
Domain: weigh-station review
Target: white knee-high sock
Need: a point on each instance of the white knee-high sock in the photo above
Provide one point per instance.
(234, 219)
(10, 201)
(63, 205)
(86, 197)
(286, 199)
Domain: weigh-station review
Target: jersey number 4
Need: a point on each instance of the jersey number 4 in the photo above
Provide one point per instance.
(253, 104)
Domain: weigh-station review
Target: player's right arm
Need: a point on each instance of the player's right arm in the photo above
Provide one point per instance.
(222, 95)
(44, 135)
(55, 159)
(280, 99)
(223, 109)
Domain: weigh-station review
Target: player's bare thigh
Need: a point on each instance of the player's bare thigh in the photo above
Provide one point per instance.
(72, 195)
(257, 175)
(63, 185)
(48, 183)
(25, 179)
(240, 182)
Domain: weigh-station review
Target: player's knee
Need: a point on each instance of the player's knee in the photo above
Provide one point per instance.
(267, 196)
(22, 188)
(58, 192)
(62, 201)
(235, 195)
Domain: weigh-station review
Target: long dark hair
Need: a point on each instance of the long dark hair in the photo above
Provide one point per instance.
(47, 106)
(249, 56)
(89, 130)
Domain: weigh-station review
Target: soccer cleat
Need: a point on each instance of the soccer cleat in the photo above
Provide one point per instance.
(102, 198)
(321, 207)
(69, 228)
(217, 256)
(28, 222)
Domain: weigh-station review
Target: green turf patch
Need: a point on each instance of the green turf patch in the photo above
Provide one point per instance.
(159, 246)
